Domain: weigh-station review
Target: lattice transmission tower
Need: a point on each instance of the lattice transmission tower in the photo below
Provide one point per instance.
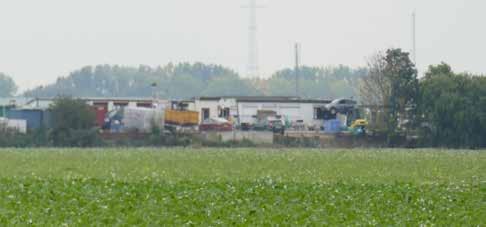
(253, 67)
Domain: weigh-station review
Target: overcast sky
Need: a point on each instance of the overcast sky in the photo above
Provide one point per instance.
(42, 40)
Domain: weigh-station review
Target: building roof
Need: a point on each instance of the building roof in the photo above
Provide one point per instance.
(102, 99)
(284, 99)
(14, 101)
(44, 103)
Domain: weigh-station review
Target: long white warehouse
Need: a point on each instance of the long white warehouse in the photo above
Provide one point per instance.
(245, 109)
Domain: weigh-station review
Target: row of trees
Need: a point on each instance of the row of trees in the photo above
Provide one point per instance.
(444, 108)
(184, 81)
(8, 87)
(317, 82)
(171, 81)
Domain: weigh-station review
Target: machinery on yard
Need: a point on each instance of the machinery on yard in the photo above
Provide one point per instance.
(358, 127)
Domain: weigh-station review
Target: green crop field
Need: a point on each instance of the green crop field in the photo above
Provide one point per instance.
(245, 187)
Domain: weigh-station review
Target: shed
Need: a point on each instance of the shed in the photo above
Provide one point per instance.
(7, 104)
(36, 118)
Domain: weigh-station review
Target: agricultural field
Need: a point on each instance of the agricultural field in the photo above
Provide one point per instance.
(96, 187)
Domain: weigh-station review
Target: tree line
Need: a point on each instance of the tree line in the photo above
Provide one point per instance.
(183, 81)
(441, 109)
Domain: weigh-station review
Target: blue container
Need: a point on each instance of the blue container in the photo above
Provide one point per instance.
(35, 118)
(332, 126)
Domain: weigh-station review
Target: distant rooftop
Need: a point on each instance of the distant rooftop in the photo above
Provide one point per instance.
(104, 98)
(17, 101)
(287, 99)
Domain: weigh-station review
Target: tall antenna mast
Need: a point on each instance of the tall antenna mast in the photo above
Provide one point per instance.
(253, 66)
(297, 70)
(414, 36)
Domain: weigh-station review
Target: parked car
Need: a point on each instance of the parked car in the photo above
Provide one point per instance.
(341, 106)
(245, 126)
(216, 124)
(298, 125)
(260, 125)
(276, 125)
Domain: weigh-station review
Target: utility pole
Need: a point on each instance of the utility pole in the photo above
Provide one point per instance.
(155, 97)
(253, 65)
(297, 70)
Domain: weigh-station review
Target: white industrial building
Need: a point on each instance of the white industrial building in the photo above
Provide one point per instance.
(245, 109)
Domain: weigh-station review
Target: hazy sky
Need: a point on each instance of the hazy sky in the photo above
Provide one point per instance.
(41, 40)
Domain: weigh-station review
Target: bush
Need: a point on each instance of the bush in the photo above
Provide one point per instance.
(12, 138)
(82, 138)
(73, 124)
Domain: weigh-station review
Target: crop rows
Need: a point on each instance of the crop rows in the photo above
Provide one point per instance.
(75, 196)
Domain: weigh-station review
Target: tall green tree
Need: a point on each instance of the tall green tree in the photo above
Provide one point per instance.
(374, 88)
(453, 107)
(391, 89)
(404, 89)
(8, 88)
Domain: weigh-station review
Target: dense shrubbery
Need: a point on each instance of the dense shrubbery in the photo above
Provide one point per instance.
(91, 138)
(309, 142)
(453, 107)
(10, 138)
(73, 125)
(443, 109)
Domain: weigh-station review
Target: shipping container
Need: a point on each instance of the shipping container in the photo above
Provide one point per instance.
(332, 126)
(35, 118)
(182, 118)
(100, 112)
(142, 119)
(17, 125)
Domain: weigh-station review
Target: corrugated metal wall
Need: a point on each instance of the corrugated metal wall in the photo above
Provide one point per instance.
(35, 118)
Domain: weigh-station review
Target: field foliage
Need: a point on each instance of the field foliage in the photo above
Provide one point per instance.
(78, 187)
